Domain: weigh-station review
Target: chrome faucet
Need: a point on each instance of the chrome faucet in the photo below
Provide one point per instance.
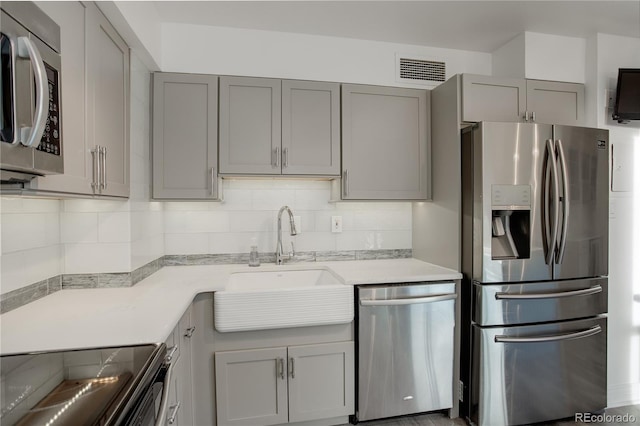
(279, 251)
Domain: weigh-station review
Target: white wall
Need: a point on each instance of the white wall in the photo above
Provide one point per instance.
(250, 209)
(542, 57)
(606, 54)
(217, 50)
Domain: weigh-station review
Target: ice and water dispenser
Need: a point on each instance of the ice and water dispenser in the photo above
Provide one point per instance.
(510, 222)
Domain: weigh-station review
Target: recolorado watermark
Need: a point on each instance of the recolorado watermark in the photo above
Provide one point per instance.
(604, 418)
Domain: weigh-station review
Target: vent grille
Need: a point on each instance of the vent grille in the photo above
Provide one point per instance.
(416, 69)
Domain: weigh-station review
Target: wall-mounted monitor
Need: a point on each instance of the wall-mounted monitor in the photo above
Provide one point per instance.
(627, 106)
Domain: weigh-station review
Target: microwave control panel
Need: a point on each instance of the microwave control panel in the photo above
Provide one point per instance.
(50, 141)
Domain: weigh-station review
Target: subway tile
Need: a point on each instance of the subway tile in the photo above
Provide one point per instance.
(114, 227)
(97, 258)
(313, 199)
(186, 243)
(272, 199)
(44, 262)
(252, 221)
(79, 227)
(207, 221)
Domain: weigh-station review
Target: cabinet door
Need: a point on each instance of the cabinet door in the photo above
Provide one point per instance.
(321, 381)
(251, 387)
(185, 135)
(108, 99)
(556, 102)
(385, 143)
(486, 98)
(310, 128)
(250, 135)
(78, 169)
(185, 390)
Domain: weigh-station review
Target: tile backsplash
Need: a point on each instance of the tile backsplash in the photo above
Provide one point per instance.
(248, 216)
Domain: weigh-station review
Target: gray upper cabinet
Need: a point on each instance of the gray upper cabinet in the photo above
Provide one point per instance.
(385, 143)
(310, 128)
(185, 136)
(274, 127)
(108, 101)
(486, 98)
(250, 125)
(556, 102)
(95, 104)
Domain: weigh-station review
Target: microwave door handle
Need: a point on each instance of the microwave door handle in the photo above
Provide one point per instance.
(31, 136)
(565, 202)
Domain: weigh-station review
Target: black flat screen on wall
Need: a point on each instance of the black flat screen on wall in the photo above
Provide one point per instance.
(627, 95)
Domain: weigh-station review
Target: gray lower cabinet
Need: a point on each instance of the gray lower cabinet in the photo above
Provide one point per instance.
(185, 136)
(385, 143)
(95, 103)
(180, 403)
(279, 127)
(284, 385)
(486, 98)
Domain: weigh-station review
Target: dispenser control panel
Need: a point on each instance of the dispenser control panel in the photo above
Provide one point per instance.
(511, 195)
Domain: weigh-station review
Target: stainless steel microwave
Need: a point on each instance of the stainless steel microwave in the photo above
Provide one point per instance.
(31, 132)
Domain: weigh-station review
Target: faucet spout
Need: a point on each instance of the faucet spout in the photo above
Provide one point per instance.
(293, 231)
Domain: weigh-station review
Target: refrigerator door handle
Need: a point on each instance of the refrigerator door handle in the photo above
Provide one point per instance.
(550, 240)
(553, 338)
(565, 202)
(583, 292)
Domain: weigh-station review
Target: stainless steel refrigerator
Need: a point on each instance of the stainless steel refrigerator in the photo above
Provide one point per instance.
(535, 204)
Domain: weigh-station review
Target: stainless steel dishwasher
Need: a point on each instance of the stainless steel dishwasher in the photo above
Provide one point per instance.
(405, 349)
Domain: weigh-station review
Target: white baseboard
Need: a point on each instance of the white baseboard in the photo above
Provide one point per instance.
(624, 394)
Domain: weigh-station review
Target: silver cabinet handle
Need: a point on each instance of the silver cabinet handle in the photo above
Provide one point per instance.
(525, 116)
(31, 136)
(409, 301)
(345, 183)
(278, 157)
(285, 157)
(565, 202)
(213, 180)
(170, 354)
(103, 150)
(292, 369)
(95, 185)
(583, 292)
(553, 338)
(189, 331)
(174, 413)
(280, 368)
(533, 116)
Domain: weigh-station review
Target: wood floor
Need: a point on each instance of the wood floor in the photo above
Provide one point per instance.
(441, 419)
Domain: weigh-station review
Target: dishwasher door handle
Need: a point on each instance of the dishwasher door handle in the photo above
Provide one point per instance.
(409, 301)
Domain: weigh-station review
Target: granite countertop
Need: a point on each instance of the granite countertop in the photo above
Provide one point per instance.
(148, 312)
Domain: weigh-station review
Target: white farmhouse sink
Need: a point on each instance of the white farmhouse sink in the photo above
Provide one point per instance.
(248, 281)
(281, 299)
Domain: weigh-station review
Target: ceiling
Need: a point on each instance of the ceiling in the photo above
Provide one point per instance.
(468, 25)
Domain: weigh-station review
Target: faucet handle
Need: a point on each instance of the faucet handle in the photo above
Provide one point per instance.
(293, 250)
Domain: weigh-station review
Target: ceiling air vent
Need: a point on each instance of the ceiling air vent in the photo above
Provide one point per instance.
(421, 71)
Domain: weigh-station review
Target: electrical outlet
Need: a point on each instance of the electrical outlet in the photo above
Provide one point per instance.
(336, 224)
(298, 222)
